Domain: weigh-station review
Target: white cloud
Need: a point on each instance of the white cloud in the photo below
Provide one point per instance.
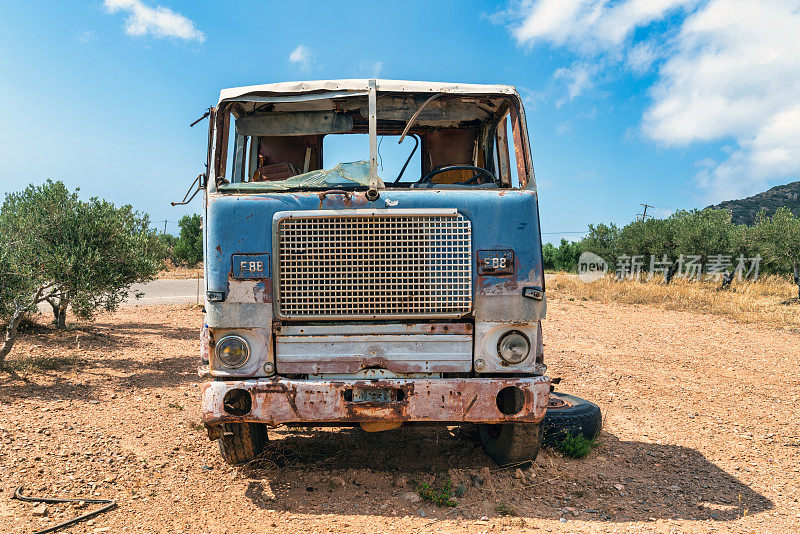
(370, 68)
(641, 57)
(577, 79)
(727, 70)
(596, 30)
(301, 57)
(590, 26)
(157, 21)
(735, 73)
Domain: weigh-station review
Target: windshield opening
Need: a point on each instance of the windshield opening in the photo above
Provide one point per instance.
(453, 141)
(393, 157)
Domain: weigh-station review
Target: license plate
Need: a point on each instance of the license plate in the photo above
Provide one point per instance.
(372, 395)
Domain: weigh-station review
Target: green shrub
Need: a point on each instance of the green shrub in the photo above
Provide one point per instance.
(564, 257)
(506, 510)
(440, 495)
(576, 446)
(188, 248)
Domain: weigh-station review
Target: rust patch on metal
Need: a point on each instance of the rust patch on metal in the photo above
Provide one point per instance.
(471, 404)
(262, 292)
(441, 328)
(281, 400)
(519, 148)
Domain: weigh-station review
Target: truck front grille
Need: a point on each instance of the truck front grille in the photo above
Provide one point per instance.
(369, 263)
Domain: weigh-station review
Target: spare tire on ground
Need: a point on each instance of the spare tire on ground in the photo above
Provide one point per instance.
(570, 415)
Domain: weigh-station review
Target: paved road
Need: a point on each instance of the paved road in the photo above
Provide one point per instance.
(167, 292)
(157, 292)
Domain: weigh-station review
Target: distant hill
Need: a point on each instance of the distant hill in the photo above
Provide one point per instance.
(743, 211)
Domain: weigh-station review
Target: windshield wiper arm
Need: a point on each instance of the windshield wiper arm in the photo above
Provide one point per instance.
(408, 160)
(416, 114)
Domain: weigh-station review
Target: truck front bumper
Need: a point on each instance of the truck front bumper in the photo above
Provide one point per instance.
(281, 400)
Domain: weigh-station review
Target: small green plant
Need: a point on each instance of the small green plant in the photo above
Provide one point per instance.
(461, 490)
(576, 446)
(175, 405)
(440, 495)
(506, 510)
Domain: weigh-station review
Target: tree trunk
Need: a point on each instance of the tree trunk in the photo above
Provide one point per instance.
(10, 335)
(54, 305)
(672, 270)
(727, 278)
(59, 305)
(61, 314)
(797, 278)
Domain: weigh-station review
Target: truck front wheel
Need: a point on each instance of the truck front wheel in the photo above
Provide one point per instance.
(242, 442)
(509, 443)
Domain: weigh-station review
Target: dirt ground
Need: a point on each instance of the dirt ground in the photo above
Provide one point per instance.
(701, 435)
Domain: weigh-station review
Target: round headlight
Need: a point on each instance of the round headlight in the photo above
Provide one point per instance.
(232, 351)
(513, 347)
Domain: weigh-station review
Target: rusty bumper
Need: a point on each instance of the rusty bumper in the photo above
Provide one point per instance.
(281, 400)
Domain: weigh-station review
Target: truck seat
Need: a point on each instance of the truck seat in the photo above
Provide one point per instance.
(274, 171)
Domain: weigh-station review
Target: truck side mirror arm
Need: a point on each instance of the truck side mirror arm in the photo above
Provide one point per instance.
(201, 184)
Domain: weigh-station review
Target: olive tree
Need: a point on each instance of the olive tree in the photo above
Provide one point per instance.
(779, 240)
(17, 297)
(703, 232)
(602, 240)
(650, 237)
(22, 288)
(80, 254)
(110, 249)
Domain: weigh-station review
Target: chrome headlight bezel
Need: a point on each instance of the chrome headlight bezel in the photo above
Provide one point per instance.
(503, 346)
(219, 345)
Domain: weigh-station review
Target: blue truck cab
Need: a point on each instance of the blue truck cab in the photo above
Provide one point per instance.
(372, 258)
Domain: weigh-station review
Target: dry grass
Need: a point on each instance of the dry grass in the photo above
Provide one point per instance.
(179, 272)
(768, 300)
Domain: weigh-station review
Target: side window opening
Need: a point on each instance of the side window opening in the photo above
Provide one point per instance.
(252, 157)
(239, 156)
(501, 154)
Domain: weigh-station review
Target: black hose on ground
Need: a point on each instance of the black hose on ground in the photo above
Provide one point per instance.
(109, 504)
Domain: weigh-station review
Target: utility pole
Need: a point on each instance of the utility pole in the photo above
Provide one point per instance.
(165, 226)
(642, 216)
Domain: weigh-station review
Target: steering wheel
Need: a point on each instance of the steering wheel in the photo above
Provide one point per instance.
(477, 170)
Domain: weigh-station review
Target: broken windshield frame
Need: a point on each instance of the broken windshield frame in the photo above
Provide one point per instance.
(281, 138)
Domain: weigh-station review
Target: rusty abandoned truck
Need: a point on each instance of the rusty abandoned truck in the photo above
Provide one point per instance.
(343, 293)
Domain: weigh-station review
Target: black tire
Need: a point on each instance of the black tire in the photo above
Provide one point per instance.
(510, 443)
(242, 442)
(568, 414)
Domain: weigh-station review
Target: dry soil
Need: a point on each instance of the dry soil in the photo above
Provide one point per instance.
(700, 435)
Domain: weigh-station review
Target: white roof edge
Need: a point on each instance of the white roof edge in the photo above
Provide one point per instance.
(289, 88)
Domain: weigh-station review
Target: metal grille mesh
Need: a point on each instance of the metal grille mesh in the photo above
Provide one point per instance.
(376, 265)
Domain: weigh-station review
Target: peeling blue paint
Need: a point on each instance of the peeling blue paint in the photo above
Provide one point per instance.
(505, 219)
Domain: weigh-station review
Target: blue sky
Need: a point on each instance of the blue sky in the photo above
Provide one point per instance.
(676, 103)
